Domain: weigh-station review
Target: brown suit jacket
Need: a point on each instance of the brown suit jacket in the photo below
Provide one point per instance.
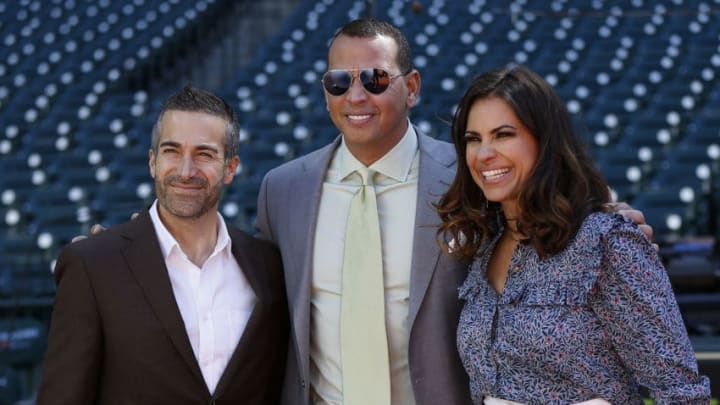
(117, 336)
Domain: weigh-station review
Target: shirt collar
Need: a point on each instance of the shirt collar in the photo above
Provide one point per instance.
(395, 164)
(168, 242)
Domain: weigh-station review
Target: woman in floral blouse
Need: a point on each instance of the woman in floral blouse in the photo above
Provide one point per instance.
(564, 303)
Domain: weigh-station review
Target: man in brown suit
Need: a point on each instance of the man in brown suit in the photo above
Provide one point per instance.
(173, 307)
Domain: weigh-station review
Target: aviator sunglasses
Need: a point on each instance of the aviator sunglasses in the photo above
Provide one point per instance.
(374, 80)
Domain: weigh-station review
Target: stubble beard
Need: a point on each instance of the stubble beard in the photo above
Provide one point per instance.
(185, 206)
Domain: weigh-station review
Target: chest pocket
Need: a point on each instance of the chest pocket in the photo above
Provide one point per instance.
(559, 284)
(558, 292)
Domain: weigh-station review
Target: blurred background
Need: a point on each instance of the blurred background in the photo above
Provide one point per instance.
(81, 84)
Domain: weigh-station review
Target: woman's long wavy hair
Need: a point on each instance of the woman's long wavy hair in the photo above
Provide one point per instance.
(563, 188)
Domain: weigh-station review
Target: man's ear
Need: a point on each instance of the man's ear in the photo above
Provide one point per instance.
(413, 83)
(230, 169)
(151, 162)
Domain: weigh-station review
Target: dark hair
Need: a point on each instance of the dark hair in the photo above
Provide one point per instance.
(369, 27)
(563, 188)
(193, 99)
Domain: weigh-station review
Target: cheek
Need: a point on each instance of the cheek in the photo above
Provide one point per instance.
(157, 171)
(530, 160)
(331, 103)
(476, 176)
(470, 157)
(472, 167)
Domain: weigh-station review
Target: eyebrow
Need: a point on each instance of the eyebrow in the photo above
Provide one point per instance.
(494, 130)
(501, 127)
(198, 147)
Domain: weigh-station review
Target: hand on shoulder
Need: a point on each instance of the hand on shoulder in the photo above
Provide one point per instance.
(634, 215)
(96, 229)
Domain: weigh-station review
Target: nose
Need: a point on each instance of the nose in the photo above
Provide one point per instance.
(187, 167)
(356, 93)
(484, 152)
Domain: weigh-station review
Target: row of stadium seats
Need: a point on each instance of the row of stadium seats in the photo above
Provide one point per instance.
(639, 78)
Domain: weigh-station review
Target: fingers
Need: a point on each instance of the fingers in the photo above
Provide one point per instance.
(134, 215)
(647, 230)
(636, 216)
(78, 238)
(96, 229)
(618, 206)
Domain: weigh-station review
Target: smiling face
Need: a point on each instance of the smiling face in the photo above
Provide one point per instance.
(189, 167)
(501, 153)
(371, 124)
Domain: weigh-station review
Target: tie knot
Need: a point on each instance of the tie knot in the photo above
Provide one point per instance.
(367, 175)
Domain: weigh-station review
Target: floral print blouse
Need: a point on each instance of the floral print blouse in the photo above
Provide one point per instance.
(593, 321)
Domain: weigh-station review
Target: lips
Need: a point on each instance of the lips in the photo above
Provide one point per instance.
(494, 174)
(177, 181)
(190, 187)
(358, 117)
(186, 187)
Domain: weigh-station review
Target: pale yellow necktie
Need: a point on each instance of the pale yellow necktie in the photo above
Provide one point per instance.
(365, 359)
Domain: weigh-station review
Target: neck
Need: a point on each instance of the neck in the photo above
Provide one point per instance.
(513, 234)
(197, 237)
(366, 156)
(370, 152)
(512, 230)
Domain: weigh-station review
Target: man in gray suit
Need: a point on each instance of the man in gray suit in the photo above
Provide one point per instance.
(303, 207)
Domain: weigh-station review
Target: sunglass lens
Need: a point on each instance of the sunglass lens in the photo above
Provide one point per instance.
(337, 82)
(375, 80)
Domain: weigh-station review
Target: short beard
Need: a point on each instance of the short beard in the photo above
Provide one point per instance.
(188, 210)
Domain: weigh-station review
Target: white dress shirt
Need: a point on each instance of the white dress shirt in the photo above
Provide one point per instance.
(396, 189)
(215, 300)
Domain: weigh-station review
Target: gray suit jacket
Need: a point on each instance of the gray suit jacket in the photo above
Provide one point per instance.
(287, 214)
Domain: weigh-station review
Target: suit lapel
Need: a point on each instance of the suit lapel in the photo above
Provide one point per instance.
(436, 173)
(145, 261)
(302, 221)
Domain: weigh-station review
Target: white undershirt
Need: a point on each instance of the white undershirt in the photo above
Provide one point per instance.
(396, 190)
(215, 300)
